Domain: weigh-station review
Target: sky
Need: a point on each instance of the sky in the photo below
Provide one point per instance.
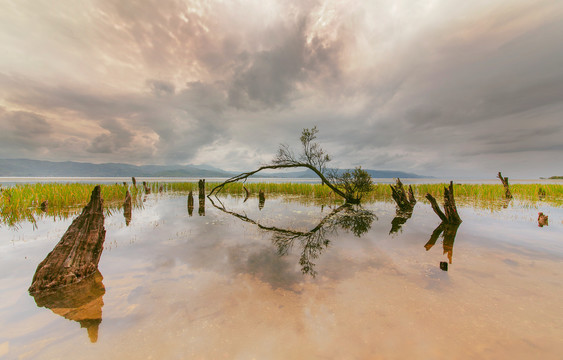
(446, 88)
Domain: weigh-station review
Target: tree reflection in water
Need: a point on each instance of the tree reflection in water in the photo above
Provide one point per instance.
(312, 243)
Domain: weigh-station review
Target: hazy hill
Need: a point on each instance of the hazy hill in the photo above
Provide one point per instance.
(26, 167)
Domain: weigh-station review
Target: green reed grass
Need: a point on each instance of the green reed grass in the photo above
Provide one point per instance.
(22, 202)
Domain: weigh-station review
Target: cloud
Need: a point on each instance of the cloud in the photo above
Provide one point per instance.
(419, 87)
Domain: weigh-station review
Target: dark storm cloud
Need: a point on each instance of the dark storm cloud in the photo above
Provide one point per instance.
(23, 133)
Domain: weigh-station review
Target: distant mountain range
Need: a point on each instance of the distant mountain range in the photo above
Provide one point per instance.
(32, 168)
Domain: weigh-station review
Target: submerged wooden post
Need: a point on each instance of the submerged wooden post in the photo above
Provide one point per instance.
(190, 203)
(451, 216)
(504, 180)
(201, 187)
(127, 208)
(77, 254)
(404, 202)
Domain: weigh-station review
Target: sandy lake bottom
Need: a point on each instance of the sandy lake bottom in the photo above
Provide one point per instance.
(294, 280)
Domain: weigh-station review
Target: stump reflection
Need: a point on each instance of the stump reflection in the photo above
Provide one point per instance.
(81, 302)
(448, 232)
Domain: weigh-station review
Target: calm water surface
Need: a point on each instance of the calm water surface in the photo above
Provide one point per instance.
(294, 281)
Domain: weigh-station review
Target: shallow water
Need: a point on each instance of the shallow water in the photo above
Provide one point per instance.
(177, 286)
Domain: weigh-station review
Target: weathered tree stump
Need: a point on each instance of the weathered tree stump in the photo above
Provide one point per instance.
(190, 203)
(201, 188)
(261, 199)
(451, 216)
(134, 181)
(127, 208)
(504, 180)
(77, 254)
(404, 202)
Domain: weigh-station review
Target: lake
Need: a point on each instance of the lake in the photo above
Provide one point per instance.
(291, 278)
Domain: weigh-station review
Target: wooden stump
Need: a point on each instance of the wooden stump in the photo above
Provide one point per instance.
(127, 208)
(134, 181)
(201, 188)
(504, 180)
(404, 202)
(451, 216)
(77, 254)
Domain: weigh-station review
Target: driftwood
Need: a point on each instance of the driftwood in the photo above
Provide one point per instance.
(127, 208)
(77, 254)
(404, 202)
(261, 199)
(451, 216)
(190, 203)
(81, 302)
(504, 180)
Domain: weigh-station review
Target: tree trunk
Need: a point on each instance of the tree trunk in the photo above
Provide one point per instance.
(504, 180)
(77, 254)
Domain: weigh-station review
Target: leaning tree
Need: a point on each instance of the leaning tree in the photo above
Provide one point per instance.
(350, 185)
